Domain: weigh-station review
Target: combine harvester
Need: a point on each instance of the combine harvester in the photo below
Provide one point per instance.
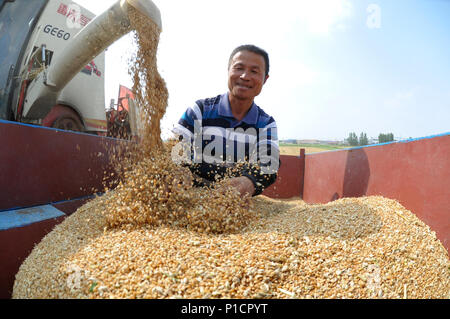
(47, 173)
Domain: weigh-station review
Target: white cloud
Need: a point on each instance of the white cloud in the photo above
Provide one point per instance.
(401, 99)
(295, 74)
(321, 16)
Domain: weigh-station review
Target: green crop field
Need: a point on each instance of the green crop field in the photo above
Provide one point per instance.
(294, 149)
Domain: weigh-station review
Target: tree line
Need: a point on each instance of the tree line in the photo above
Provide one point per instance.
(353, 139)
(383, 138)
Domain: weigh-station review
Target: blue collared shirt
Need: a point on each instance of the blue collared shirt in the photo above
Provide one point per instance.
(251, 118)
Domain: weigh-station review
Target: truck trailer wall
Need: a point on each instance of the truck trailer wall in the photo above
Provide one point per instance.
(41, 165)
(45, 175)
(416, 173)
(289, 181)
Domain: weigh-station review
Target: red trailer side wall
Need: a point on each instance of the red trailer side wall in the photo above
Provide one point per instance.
(40, 165)
(289, 181)
(414, 172)
(16, 245)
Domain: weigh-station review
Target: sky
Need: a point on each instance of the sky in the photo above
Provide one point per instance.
(336, 66)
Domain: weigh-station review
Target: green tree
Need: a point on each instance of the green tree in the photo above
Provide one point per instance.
(363, 140)
(352, 139)
(390, 137)
(383, 138)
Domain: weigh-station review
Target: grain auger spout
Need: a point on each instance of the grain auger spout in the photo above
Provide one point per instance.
(93, 39)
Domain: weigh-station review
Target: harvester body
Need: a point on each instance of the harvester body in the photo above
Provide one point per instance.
(38, 32)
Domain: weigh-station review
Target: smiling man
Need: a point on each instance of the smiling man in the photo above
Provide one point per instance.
(229, 136)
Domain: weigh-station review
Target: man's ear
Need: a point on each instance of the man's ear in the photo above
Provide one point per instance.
(267, 76)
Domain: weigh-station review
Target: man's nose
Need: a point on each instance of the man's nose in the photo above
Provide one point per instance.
(245, 75)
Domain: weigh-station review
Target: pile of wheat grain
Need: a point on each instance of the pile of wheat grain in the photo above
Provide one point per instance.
(352, 248)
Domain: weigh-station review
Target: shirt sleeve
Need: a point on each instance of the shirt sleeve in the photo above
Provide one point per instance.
(266, 154)
(187, 124)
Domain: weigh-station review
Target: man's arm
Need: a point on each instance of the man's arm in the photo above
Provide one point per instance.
(265, 159)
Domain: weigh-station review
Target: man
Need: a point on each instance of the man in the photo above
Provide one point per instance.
(229, 135)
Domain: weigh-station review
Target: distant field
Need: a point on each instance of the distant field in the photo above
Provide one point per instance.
(294, 149)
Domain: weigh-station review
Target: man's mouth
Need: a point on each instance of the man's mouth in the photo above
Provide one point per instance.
(243, 86)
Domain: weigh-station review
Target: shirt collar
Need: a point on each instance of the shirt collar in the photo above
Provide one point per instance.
(225, 110)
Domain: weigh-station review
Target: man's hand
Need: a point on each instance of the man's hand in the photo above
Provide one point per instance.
(242, 184)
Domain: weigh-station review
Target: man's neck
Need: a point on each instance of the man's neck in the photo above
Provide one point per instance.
(239, 107)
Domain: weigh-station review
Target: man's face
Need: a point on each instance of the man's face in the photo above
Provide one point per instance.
(246, 75)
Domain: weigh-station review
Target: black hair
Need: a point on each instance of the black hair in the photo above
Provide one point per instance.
(254, 49)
